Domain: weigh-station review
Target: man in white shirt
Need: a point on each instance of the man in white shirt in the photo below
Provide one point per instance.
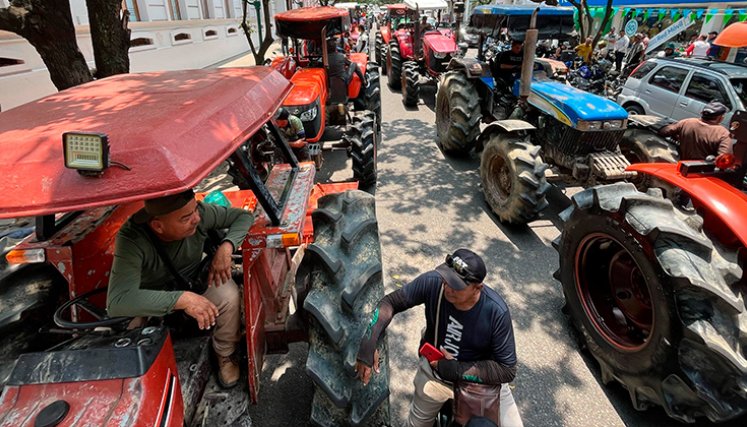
(621, 49)
(700, 47)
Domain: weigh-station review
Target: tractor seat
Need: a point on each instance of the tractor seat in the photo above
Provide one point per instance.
(338, 91)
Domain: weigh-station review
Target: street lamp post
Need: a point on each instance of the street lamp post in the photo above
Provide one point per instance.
(257, 4)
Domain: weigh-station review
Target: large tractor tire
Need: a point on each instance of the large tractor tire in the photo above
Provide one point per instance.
(513, 178)
(363, 141)
(371, 99)
(457, 114)
(646, 146)
(394, 65)
(346, 286)
(384, 53)
(377, 48)
(656, 302)
(410, 88)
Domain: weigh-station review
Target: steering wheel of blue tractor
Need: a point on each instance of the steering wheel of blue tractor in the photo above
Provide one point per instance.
(83, 301)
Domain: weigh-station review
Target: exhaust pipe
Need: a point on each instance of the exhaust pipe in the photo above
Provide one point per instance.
(527, 66)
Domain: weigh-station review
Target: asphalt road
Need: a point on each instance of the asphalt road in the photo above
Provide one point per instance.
(427, 206)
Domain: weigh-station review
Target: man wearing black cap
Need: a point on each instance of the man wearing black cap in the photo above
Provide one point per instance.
(474, 332)
(506, 66)
(142, 282)
(704, 136)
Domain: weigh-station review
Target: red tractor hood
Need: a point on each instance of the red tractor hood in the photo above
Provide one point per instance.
(308, 85)
(170, 129)
(440, 42)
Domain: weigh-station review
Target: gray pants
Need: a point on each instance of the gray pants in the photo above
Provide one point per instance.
(431, 393)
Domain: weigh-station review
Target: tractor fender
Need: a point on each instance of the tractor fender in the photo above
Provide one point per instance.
(361, 60)
(504, 126)
(473, 68)
(722, 206)
(654, 123)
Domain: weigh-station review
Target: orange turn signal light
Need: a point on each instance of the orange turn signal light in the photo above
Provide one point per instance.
(725, 161)
(25, 256)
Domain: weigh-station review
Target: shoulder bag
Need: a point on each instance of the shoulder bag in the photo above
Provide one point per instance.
(473, 399)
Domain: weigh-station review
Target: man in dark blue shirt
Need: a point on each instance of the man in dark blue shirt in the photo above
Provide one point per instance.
(473, 331)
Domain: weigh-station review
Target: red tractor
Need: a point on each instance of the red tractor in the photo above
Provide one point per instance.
(432, 50)
(657, 288)
(82, 161)
(330, 107)
(397, 16)
(417, 55)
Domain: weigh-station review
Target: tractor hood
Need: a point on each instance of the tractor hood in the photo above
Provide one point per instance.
(308, 85)
(166, 130)
(569, 105)
(439, 42)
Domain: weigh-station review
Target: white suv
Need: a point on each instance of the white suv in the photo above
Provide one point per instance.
(680, 88)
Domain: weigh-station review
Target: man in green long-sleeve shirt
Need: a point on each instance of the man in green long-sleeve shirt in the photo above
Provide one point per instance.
(138, 285)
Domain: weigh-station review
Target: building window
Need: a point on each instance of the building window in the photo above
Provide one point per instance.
(131, 6)
(182, 36)
(140, 41)
(176, 13)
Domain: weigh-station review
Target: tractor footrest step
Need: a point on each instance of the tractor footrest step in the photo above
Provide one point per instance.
(609, 166)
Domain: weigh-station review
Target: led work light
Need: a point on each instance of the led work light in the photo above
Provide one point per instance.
(87, 152)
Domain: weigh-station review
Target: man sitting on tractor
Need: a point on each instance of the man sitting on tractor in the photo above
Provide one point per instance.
(704, 136)
(292, 127)
(158, 269)
(507, 64)
(339, 65)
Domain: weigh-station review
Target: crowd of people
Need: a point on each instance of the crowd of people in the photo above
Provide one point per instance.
(621, 49)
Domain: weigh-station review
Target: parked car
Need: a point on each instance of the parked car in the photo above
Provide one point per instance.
(680, 88)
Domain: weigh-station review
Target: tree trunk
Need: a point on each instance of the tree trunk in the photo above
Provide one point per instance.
(110, 37)
(48, 26)
(266, 39)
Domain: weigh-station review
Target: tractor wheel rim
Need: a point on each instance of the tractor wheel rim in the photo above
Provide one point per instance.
(613, 292)
(499, 177)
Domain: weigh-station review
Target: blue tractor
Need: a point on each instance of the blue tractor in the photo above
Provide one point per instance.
(540, 130)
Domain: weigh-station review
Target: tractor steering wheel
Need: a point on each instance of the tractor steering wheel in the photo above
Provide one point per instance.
(82, 301)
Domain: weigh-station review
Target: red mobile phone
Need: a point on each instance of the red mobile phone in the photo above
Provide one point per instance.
(431, 353)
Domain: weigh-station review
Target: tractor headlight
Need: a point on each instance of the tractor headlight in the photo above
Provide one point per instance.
(584, 125)
(596, 125)
(614, 124)
(440, 55)
(88, 152)
(306, 113)
(309, 115)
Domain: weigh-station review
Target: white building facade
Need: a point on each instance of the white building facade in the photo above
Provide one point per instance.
(165, 35)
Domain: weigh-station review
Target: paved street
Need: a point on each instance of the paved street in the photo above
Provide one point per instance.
(427, 206)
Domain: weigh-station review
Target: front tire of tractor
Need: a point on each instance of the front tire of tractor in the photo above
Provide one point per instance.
(373, 95)
(513, 178)
(457, 114)
(656, 302)
(377, 50)
(363, 142)
(646, 146)
(394, 63)
(346, 286)
(410, 88)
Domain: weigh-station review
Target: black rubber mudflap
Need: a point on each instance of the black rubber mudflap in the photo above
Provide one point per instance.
(346, 286)
(693, 362)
